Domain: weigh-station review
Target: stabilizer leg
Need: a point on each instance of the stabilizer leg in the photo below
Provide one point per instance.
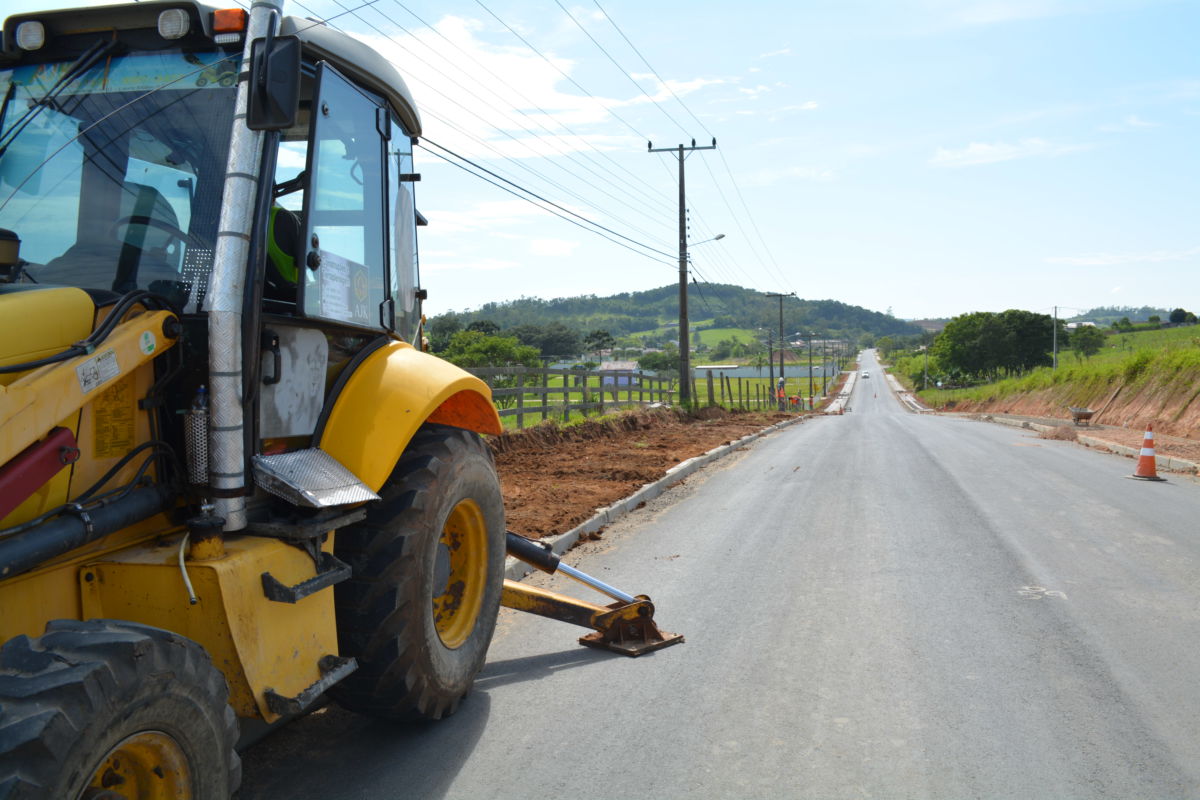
(627, 626)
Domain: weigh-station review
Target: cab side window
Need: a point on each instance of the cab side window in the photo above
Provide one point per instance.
(403, 250)
(343, 276)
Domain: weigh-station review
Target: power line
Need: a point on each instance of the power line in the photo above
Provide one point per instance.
(537, 174)
(519, 94)
(620, 69)
(653, 71)
(427, 140)
(527, 199)
(560, 71)
(716, 183)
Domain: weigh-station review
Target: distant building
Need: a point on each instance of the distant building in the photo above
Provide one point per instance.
(619, 379)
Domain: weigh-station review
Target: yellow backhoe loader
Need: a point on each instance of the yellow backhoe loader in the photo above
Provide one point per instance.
(229, 485)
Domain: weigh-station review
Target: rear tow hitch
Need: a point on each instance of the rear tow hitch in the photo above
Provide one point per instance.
(626, 626)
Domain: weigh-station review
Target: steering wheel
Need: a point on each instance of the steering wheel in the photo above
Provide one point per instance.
(154, 222)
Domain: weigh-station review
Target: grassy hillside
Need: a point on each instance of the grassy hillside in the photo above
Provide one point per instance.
(652, 314)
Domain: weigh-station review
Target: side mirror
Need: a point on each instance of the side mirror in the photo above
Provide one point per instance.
(274, 83)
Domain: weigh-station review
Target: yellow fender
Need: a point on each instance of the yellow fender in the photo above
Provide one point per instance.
(391, 394)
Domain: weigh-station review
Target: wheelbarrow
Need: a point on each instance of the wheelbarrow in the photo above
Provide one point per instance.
(1080, 416)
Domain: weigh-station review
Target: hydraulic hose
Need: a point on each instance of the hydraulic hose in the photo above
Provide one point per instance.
(76, 528)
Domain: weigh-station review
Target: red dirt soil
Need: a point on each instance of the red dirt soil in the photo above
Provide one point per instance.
(554, 478)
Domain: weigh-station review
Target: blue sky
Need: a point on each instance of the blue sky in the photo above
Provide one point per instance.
(930, 157)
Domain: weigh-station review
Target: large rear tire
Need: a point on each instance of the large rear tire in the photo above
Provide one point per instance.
(115, 710)
(428, 569)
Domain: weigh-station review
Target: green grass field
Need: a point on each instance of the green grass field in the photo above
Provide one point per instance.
(712, 336)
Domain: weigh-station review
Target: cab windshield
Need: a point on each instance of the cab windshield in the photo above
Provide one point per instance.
(113, 181)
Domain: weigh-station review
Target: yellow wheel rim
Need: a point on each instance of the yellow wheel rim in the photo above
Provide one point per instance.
(462, 559)
(149, 766)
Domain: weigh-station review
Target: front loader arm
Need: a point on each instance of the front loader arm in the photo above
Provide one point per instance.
(34, 403)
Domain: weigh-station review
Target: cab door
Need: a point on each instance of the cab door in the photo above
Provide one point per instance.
(344, 275)
(333, 296)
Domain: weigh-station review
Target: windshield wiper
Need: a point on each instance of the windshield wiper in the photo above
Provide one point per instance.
(8, 96)
(86, 61)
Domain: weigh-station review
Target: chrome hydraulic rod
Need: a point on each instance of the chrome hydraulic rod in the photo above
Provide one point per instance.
(598, 585)
(540, 556)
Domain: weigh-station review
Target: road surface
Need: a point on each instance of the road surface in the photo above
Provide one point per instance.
(880, 604)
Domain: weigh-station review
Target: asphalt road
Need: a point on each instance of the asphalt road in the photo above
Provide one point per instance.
(879, 604)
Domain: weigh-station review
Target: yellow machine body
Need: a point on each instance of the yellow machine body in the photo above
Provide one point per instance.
(258, 643)
(133, 574)
(41, 322)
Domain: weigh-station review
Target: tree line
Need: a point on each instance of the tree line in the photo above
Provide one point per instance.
(986, 346)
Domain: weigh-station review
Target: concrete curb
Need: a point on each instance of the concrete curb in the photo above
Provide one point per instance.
(1165, 463)
(515, 569)
(907, 398)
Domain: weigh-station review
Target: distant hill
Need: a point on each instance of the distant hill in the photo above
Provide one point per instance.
(1107, 315)
(709, 305)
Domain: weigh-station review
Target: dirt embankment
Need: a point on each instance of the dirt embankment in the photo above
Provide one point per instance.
(554, 478)
(1173, 408)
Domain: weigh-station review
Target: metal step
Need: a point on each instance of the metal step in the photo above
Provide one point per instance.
(311, 478)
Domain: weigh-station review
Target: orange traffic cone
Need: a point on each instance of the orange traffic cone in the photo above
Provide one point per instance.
(1145, 466)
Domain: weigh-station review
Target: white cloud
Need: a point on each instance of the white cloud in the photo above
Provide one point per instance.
(993, 12)
(487, 216)
(662, 92)
(486, 93)
(1130, 123)
(768, 177)
(991, 153)
(433, 265)
(552, 247)
(810, 105)
(755, 91)
(785, 51)
(1116, 259)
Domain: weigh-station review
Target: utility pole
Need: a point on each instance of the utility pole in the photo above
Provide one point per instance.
(824, 368)
(810, 380)
(685, 367)
(770, 367)
(781, 339)
(1054, 340)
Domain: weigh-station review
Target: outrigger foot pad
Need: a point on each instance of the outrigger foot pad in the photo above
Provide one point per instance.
(630, 630)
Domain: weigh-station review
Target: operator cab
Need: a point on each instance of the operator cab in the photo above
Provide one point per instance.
(114, 149)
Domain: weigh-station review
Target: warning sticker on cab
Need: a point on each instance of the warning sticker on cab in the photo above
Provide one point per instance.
(115, 414)
(97, 370)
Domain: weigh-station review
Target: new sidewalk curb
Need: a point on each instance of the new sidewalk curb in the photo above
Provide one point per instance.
(1165, 463)
(515, 569)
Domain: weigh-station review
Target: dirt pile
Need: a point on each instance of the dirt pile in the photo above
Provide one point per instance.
(1062, 433)
(555, 477)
